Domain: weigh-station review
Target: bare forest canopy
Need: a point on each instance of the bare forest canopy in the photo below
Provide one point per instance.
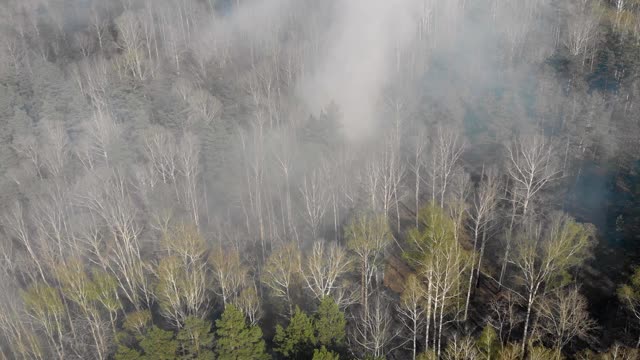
(305, 179)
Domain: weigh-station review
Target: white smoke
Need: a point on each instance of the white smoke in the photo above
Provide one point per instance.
(359, 60)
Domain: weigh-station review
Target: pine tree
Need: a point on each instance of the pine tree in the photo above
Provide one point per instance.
(155, 343)
(296, 340)
(329, 323)
(195, 339)
(236, 340)
(159, 344)
(324, 354)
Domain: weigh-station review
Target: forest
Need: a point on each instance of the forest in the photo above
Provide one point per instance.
(335, 179)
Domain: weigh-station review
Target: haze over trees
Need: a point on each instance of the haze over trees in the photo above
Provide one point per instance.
(300, 179)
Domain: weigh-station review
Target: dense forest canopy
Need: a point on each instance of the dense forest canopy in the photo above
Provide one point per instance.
(303, 179)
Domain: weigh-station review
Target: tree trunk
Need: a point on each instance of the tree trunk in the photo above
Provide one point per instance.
(526, 324)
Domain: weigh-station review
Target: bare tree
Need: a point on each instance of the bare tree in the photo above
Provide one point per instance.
(419, 158)
(55, 146)
(582, 30)
(315, 200)
(446, 149)
(461, 349)
(98, 24)
(323, 268)
(131, 43)
(50, 215)
(411, 309)
(375, 331)
(564, 316)
(188, 160)
(16, 223)
(284, 155)
(28, 148)
(102, 131)
(382, 179)
(282, 272)
(504, 315)
(368, 236)
(229, 273)
(161, 151)
(484, 203)
(77, 287)
(183, 277)
(531, 166)
(249, 303)
(110, 200)
(487, 198)
(18, 332)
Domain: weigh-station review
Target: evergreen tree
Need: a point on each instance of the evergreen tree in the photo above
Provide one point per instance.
(329, 323)
(155, 343)
(324, 354)
(296, 340)
(195, 339)
(236, 340)
(159, 344)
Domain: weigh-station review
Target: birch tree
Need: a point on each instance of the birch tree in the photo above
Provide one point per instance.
(367, 237)
(629, 294)
(564, 317)
(531, 166)
(323, 268)
(441, 261)
(484, 203)
(229, 273)
(543, 259)
(282, 272)
(316, 201)
(411, 310)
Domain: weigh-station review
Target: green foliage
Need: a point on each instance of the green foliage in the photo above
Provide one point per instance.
(542, 353)
(104, 290)
(296, 340)
(125, 353)
(169, 288)
(428, 355)
(324, 354)
(510, 352)
(329, 323)
(154, 343)
(488, 343)
(137, 322)
(618, 352)
(569, 242)
(236, 340)
(142, 340)
(158, 344)
(629, 294)
(73, 280)
(436, 230)
(195, 339)
(43, 301)
(367, 234)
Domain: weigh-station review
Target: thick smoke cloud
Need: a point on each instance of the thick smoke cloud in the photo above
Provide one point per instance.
(359, 59)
